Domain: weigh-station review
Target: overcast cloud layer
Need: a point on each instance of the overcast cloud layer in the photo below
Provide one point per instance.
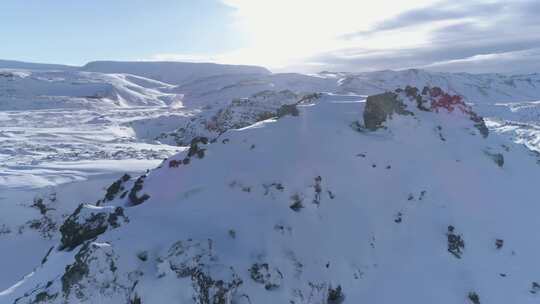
(478, 37)
(308, 36)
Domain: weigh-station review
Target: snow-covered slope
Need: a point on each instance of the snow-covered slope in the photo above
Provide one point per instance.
(477, 88)
(32, 89)
(171, 72)
(211, 122)
(404, 199)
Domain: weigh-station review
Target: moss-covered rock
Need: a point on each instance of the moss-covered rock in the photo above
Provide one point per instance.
(380, 107)
(116, 187)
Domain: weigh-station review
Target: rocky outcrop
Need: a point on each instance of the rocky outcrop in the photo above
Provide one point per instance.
(88, 222)
(116, 187)
(380, 107)
(455, 242)
(268, 276)
(195, 261)
(498, 158)
(431, 99)
(134, 198)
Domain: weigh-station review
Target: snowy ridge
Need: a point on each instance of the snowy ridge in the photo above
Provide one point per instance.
(239, 113)
(26, 89)
(477, 88)
(313, 208)
(171, 72)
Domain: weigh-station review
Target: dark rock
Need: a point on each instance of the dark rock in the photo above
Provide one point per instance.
(44, 297)
(137, 186)
(86, 224)
(38, 204)
(116, 187)
(318, 189)
(380, 107)
(262, 273)
(136, 300)
(498, 158)
(175, 163)
(75, 272)
(535, 288)
(194, 149)
(297, 203)
(479, 123)
(455, 243)
(499, 243)
(335, 296)
(143, 256)
(93, 271)
(473, 297)
(195, 261)
(331, 194)
(285, 110)
(44, 260)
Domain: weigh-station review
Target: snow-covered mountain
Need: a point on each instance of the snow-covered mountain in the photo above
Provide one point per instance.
(35, 89)
(203, 84)
(172, 72)
(405, 198)
(13, 64)
(276, 188)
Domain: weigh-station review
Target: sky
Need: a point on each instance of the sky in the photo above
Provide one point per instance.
(475, 36)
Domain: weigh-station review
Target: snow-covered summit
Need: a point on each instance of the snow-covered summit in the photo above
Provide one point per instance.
(313, 208)
(171, 72)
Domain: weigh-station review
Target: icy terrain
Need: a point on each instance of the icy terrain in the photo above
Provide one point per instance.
(275, 188)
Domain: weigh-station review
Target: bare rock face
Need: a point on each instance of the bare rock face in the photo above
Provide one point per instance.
(380, 107)
(88, 222)
(431, 99)
(195, 261)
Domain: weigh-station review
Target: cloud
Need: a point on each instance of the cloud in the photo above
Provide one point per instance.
(350, 35)
(438, 12)
(508, 62)
(284, 32)
(480, 37)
